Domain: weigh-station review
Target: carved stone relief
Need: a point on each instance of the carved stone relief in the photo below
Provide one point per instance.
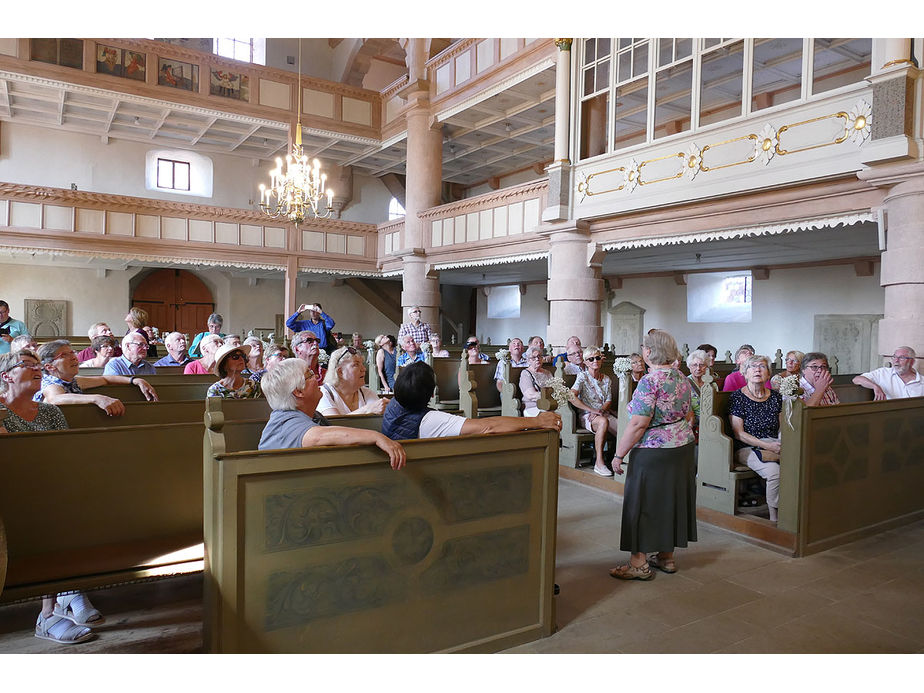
(46, 318)
(626, 322)
(853, 339)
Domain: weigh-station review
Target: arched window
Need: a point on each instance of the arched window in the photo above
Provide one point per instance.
(395, 210)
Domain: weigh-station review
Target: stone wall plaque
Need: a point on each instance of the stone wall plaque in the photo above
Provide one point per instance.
(46, 318)
(853, 339)
(626, 322)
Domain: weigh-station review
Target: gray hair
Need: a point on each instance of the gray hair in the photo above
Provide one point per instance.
(906, 348)
(302, 337)
(743, 347)
(18, 343)
(46, 353)
(173, 336)
(813, 356)
(7, 360)
(341, 355)
(697, 354)
(756, 358)
(253, 341)
(534, 350)
(590, 351)
(216, 319)
(662, 346)
(208, 339)
(278, 384)
(94, 329)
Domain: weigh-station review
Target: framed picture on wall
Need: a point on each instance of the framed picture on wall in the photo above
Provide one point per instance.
(133, 63)
(177, 74)
(109, 60)
(231, 84)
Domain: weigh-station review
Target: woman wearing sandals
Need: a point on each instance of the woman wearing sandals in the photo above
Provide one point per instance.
(659, 504)
(66, 618)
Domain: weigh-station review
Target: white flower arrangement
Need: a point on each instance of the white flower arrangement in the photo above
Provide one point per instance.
(789, 386)
(503, 355)
(561, 393)
(622, 365)
(323, 357)
(368, 344)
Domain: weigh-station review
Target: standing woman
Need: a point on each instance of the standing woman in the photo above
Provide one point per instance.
(659, 504)
(696, 362)
(386, 361)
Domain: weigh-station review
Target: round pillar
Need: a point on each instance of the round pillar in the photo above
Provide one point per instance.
(575, 288)
(902, 272)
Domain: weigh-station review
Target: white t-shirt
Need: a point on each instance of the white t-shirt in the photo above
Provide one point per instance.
(440, 424)
(892, 384)
(330, 399)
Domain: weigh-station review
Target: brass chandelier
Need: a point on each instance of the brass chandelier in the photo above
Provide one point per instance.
(296, 193)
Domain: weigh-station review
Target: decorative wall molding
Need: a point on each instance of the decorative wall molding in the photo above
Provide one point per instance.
(523, 191)
(487, 262)
(762, 230)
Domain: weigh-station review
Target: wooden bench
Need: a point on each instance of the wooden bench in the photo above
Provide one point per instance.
(850, 471)
(330, 550)
(142, 413)
(166, 392)
(161, 371)
(478, 395)
(120, 503)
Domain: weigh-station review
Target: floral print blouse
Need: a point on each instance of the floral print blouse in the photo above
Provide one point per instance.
(249, 390)
(592, 392)
(665, 396)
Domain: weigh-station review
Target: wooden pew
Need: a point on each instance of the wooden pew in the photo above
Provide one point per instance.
(330, 550)
(117, 504)
(851, 470)
(718, 473)
(478, 395)
(142, 413)
(161, 371)
(166, 392)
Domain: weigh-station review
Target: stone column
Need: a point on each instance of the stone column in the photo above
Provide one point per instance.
(575, 288)
(423, 184)
(560, 169)
(892, 129)
(291, 288)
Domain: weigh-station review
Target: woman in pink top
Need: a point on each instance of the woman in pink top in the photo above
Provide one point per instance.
(203, 366)
(735, 381)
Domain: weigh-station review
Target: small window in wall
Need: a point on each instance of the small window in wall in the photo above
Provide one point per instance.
(178, 172)
(172, 175)
(504, 302)
(719, 297)
(250, 50)
(395, 210)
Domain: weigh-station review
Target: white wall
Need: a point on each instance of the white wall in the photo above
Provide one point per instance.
(783, 308)
(370, 200)
(316, 56)
(533, 320)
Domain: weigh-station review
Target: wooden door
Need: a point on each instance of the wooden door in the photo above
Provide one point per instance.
(176, 300)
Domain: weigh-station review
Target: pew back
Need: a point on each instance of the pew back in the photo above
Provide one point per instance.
(454, 553)
(141, 413)
(166, 392)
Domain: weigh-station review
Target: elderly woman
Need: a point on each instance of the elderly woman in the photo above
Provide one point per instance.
(736, 380)
(754, 411)
(66, 619)
(437, 346)
(24, 341)
(696, 362)
(793, 367)
(104, 348)
(592, 393)
(274, 354)
(214, 323)
(344, 390)
(209, 346)
(386, 361)
(636, 367)
(659, 503)
(532, 379)
(230, 362)
(255, 368)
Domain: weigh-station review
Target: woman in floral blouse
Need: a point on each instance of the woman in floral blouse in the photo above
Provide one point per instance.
(230, 362)
(659, 504)
(592, 394)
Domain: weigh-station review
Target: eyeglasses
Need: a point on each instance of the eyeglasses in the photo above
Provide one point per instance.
(310, 340)
(817, 368)
(902, 358)
(138, 344)
(594, 359)
(24, 364)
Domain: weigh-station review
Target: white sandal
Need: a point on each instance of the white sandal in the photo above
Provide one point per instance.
(82, 613)
(60, 630)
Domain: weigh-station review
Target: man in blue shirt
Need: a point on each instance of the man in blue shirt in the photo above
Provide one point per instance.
(9, 328)
(319, 323)
(176, 351)
(131, 362)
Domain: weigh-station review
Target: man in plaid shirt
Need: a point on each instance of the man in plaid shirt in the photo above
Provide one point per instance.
(420, 331)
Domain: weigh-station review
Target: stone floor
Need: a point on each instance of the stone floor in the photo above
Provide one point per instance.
(729, 596)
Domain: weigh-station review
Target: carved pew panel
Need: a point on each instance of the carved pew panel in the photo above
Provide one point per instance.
(454, 553)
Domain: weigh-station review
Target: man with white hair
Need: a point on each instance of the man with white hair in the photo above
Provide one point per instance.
(897, 382)
(176, 351)
(292, 390)
(131, 362)
(96, 329)
(420, 331)
(517, 360)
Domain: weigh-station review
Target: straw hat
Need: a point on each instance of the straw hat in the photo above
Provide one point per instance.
(224, 351)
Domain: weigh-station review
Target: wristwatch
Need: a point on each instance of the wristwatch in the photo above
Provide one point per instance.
(131, 379)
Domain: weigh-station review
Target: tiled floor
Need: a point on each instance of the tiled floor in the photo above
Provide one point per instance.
(729, 596)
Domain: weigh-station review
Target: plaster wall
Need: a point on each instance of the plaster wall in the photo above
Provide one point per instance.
(316, 56)
(783, 308)
(370, 200)
(533, 320)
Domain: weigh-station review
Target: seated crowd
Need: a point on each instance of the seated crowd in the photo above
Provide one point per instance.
(317, 376)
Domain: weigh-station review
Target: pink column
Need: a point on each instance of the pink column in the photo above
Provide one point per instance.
(575, 288)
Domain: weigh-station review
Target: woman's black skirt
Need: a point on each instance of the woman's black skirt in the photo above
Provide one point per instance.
(659, 504)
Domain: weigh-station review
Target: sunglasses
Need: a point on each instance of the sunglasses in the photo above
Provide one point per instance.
(235, 355)
(471, 345)
(594, 359)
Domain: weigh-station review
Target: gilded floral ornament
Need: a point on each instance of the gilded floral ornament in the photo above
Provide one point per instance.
(767, 142)
(860, 122)
(583, 186)
(692, 162)
(632, 176)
